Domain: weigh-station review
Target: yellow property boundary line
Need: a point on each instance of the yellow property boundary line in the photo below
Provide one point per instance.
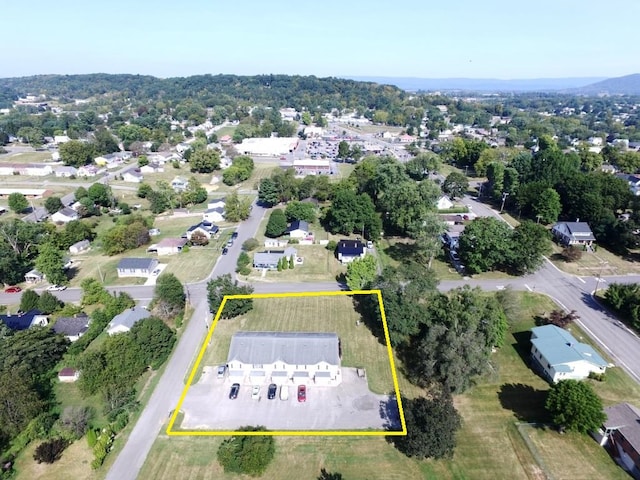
(378, 293)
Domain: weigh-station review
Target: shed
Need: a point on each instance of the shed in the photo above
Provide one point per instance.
(68, 375)
(79, 247)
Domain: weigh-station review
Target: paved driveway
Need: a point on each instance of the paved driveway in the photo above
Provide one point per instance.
(348, 406)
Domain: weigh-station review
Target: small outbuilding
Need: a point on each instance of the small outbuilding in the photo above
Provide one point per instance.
(79, 247)
(68, 375)
(170, 246)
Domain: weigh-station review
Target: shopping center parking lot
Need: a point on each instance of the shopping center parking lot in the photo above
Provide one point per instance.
(348, 406)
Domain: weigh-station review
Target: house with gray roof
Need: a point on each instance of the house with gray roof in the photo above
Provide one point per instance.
(270, 258)
(298, 229)
(72, 327)
(621, 434)
(559, 356)
(79, 247)
(573, 233)
(65, 215)
(136, 267)
(122, 323)
(284, 358)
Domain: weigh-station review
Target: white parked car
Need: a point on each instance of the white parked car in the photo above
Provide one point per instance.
(284, 392)
(255, 392)
(56, 288)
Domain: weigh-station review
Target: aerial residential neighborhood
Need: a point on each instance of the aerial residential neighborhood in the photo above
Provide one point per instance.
(307, 242)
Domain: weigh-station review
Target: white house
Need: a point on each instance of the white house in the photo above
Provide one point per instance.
(298, 229)
(444, 203)
(349, 250)
(79, 247)
(216, 203)
(207, 229)
(122, 323)
(66, 172)
(33, 276)
(294, 358)
(179, 184)
(58, 139)
(152, 168)
(136, 267)
(559, 356)
(170, 246)
(132, 176)
(65, 215)
(213, 215)
(270, 259)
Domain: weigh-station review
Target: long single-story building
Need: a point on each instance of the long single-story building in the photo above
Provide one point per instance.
(284, 358)
(559, 356)
(136, 267)
(270, 259)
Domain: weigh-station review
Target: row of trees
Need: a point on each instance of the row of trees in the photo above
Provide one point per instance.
(164, 197)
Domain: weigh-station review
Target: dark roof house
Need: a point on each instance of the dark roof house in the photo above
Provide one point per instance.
(72, 327)
(573, 233)
(349, 250)
(22, 321)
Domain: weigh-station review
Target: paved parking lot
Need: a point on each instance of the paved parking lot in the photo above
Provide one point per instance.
(349, 406)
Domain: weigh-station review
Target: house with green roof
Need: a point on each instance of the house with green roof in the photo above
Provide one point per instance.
(559, 356)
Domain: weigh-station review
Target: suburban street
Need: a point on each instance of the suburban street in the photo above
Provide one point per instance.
(570, 292)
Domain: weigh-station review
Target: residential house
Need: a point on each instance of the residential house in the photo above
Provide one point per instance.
(79, 247)
(136, 267)
(349, 250)
(444, 203)
(89, 171)
(298, 229)
(632, 180)
(216, 203)
(66, 172)
(132, 176)
(112, 160)
(38, 214)
(33, 276)
(65, 215)
(72, 327)
(68, 375)
(37, 170)
(225, 139)
(179, 184)
(58, 139)
(621, 434)
(559, 356)
(573, 233)
(212, 215)
(152, 168)
(122, 323)
(297, 358)
(68, 200)
(269, 260)
(207, 229)
(170, 246)
(22, 321)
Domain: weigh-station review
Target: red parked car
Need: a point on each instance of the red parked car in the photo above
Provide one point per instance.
(13, 290)
(302, 393)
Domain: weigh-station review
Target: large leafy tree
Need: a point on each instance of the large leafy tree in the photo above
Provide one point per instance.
(154, 339)
(237, 209)
(169, 296)
(100, 194)
(19, 402)
(277, 224)
(405, 205)
(529, 243)
(50, 262)
(221, 286)
(300, 211)
(204, 161)
(53, 204)
(432, 424)
(17, 202)
(574, 405)
(456, 338)
(422, 165)
(76, 153)
(484, 245)
(351, 213)
(547, 207)
(361, 272)
(455, 185)
(249, 455)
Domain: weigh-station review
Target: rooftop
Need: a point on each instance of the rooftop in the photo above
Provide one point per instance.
(136, 263)
(293, 348)
(626, 419)
(558, 347)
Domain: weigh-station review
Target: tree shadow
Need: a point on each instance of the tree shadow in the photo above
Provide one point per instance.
(525, 401)
(390, 413)
(400, 251)
(366, 306)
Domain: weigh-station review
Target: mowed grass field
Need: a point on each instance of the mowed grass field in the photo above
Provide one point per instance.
(310, 314)
(490, 446)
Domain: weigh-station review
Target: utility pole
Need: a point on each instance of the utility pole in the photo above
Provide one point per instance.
(600, 276)
(504, 198)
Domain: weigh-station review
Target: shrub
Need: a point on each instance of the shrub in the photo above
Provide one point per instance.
(50, 451)
(247, 454)
(571, 254)
(92, 437)
(250, 244)
(332, 245)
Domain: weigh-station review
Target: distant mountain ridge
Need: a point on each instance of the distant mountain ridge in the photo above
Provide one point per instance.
(626, 85)
(483, 84)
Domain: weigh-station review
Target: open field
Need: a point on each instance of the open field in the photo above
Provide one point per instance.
(490, 446)
(310, 314)
(595, 263)
(26, 157)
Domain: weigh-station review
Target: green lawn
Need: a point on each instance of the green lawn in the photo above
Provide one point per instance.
(310, 314)
(27, 157)
(595, 263)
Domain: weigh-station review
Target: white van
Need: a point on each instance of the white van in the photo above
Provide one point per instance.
(284, 392)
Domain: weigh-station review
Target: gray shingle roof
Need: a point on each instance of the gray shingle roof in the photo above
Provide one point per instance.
(293, 348)
(137, 263)
(129, 317)
(72, 326)
(626, 419)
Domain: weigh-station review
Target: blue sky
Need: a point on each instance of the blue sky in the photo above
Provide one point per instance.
(474, 39)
